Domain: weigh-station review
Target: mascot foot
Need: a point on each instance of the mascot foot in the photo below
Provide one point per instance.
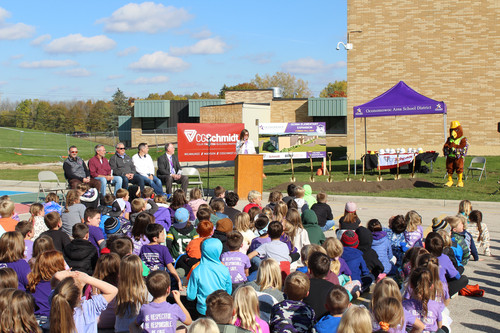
(460, 181)
(449, 183)
(460, 184)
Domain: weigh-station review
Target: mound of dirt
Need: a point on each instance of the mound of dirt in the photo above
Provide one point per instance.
(359, 186)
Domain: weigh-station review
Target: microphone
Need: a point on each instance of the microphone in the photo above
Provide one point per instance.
(209, 138)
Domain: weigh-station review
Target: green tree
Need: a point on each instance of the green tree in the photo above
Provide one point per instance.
(43, 119)
(154, 96)
(24, 118)
(240, 86)
(335, 89)
(120, 103)
(99, 118)
(292, 87)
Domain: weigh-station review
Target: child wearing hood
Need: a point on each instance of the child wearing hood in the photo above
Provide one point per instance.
(310, 223)
(382, 245)
(372, 261)
(308, 197)
(299, 199)
(354, 259)
(209, 276)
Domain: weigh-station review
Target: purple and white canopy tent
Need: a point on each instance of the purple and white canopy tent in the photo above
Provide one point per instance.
(400, 100)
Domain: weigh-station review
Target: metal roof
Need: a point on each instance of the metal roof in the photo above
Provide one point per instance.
(327, 107)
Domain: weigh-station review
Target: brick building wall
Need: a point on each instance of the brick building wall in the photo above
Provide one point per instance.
(151, 139)
(446, 50)
(249, 96)
(226, 113)
(289, 111)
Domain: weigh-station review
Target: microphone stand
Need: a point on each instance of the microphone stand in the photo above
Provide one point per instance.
(208, 160)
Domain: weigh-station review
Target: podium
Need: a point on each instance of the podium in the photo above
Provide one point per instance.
(248, 171)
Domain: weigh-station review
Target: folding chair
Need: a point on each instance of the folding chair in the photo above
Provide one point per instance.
(194, 177)
(477, 164)
(53, 186)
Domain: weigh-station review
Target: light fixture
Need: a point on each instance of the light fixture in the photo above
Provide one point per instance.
(347, 46)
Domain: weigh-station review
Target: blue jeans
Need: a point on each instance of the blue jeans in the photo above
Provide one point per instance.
(155, 183)
(117, 181)
(329, 224)
(137, 180)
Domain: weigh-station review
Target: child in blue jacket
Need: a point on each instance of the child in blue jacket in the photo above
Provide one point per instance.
(355, 261)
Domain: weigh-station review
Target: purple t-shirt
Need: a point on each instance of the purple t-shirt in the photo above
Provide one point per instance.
(408, 319)
(344, 268)
(160, 317)
(138, 243)
(41, 295)
(28, 249)
(434, 310)
(446, 269)
(237, 262)
(22, 270)
(155, 256)
(95, 235)
(414, 238)
(258, 241)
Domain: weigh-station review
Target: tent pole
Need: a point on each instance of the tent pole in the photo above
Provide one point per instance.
(354, 146)
(366, 147)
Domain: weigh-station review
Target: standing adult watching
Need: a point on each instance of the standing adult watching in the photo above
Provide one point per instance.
(168, 169)
(76, 171)
(101, 170)
(145, 168)
(122, 166)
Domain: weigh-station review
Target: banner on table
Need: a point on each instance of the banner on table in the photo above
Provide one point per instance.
(193, 141)
(292, 140)
(390, 161)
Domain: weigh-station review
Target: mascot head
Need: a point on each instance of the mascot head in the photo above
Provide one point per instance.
(456, 130)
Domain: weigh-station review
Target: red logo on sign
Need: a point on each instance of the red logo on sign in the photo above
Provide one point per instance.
(195, 140)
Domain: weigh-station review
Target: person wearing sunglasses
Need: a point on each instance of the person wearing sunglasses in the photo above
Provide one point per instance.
(76, 171)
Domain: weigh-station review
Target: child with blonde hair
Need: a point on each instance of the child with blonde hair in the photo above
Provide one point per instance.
(414, 232)
(195, 199)
(7, 222)
(254, 199)
(356, 319)
(458, 238)
(68, 313)
(52, 203)
(242, 224)
(132, 292)
(464, 208)
(479, 231)
(469, 240)
(247, 310)
(295, 231)
(388, 314)
(299, 199)
(37, 212)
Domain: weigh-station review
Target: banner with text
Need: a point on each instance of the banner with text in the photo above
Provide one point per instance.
(292, 140)
(390, 161)
(193, 141)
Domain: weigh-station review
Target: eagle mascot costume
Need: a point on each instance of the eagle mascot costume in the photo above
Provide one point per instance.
(455, 150)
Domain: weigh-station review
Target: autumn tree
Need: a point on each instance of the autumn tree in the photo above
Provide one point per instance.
(240, 86)
(99, 118)
(292, 87)
(24, 117)
(335, 89)
(43, 118)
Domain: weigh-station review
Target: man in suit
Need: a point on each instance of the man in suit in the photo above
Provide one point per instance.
(168, 170)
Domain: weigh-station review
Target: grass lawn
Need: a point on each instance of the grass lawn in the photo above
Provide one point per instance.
(280, 173)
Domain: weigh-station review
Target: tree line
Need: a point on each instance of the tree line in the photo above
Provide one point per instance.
(102, 116)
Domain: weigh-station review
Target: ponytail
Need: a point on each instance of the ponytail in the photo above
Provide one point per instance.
(66, 298)
(421, 282)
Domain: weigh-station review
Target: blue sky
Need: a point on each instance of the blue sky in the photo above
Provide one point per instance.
(65, 50)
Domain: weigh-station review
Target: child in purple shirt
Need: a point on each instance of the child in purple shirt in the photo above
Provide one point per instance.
(26, 229)
(92, 218)
(12, 256)
(155, 255)
(237, 262)
(159, 315)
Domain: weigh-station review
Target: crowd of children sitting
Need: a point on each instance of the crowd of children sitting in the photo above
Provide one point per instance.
(123, 265)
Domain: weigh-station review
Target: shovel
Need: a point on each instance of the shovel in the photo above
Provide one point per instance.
(312, 170)
(330, 166)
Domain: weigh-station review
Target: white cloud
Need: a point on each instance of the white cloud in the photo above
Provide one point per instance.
(48, 64)
(13, 31)
(260, 58)
(76, 43)
(146, 17)
(159, 61)
(76, 72)
(150, 80)
(114, 77)
(310, 66)
(41, 39)
(205, 46)
(127, 51)
(16, 56)
(205, 33)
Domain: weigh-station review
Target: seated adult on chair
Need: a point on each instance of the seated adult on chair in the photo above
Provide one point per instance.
(168, 169)
(101, 170)
(145, 168)
(76, 171)
(122, 166)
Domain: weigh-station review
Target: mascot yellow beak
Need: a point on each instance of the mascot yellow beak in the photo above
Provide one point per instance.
(454, 134)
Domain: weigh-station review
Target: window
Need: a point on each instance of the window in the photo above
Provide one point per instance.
(334, 125)
(155, 125)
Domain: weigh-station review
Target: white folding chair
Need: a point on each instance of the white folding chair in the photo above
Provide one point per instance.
(48, 182)
(194, 177)
(477, 164)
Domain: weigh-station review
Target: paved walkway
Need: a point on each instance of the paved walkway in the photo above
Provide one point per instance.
(474, 314)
